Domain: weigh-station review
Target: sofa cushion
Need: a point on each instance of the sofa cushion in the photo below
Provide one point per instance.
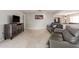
(60, 44)
(68, 37)
(56, 36)
(74, 32)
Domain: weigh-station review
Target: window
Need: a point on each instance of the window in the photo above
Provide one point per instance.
(74, 19)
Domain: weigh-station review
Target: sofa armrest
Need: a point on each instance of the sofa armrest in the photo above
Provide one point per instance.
(74, 32)
(60, 44)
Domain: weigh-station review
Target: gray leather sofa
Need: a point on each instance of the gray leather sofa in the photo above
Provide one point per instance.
(69, 38)
(53, 26)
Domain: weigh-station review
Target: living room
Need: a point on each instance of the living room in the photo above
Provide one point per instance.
(27, 17)
(36, 33)
(44, 29)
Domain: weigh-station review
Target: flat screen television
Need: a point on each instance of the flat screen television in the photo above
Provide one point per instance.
(15, 19)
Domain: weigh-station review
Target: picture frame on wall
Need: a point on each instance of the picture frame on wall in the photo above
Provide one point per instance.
(39, 17)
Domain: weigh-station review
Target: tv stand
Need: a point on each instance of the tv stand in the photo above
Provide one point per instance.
(12, 30)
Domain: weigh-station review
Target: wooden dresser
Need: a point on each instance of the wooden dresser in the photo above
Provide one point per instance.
(12, 30)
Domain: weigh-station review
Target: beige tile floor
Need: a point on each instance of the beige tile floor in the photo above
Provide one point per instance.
(28, 39)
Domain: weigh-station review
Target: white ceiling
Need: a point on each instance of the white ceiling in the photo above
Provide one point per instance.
(55, 12)
(67, 12)
(42, 11)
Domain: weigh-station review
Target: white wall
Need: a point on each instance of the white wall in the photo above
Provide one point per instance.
(31, 23)
(5, 17)
(76, 26)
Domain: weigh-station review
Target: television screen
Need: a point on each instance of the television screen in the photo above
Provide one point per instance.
(16, 18)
